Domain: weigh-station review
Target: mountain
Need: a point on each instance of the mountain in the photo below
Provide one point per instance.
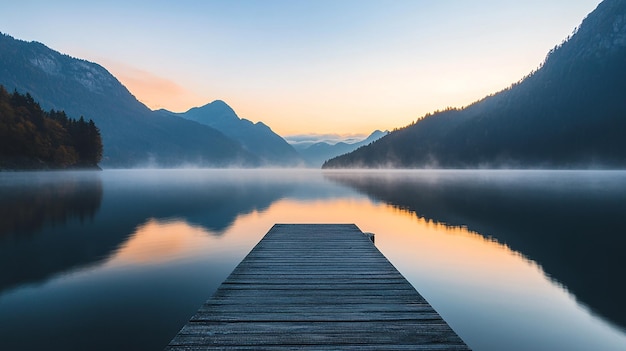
(132, 134)
(570, 113)
(256, 138)
(302, 141)
(314, 155)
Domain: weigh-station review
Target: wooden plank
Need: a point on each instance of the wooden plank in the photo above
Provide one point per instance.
(316, 287)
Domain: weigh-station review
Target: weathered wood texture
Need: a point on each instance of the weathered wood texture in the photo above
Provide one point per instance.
(316, 287)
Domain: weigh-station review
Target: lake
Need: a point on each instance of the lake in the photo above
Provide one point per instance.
(121, 259)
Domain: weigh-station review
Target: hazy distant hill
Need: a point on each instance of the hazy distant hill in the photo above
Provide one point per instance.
(314, 155)
(569, 113)
(256, 138)
(132, 134)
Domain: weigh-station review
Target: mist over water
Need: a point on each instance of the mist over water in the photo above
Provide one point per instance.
(513, 260)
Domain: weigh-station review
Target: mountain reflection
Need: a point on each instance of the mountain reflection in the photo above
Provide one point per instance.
(42, 223)
(26, 207)
(571, 223)
(75, 219)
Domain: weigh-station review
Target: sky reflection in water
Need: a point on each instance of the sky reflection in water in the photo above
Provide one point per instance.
(160, 242)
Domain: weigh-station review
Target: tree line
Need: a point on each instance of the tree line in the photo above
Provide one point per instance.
(31, 138)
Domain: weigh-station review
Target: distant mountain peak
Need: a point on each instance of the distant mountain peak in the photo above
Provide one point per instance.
(316, 153)
(219, 103)
(132, 134)
(258, 138)
(218, 110)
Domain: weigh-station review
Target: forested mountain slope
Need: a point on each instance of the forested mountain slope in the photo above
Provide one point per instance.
(570, 113)
(132, 134)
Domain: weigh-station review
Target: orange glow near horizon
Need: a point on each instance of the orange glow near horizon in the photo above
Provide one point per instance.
(405, 238)
(453, 268)
(385, 101)
(155, 91)
(160, 241)
(306, 67)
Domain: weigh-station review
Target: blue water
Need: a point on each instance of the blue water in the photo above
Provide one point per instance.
(515, 260)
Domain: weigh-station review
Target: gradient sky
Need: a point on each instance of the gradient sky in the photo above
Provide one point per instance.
(318, 66)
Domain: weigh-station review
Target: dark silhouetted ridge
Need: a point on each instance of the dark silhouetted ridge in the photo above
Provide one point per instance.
(570, 113)
(132, 134)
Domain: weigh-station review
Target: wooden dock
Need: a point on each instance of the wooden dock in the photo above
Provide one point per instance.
(316, 287)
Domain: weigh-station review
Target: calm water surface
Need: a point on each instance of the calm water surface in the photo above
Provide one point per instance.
(513, 260)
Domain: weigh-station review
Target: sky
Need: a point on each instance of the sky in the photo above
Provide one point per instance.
(317, 66)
